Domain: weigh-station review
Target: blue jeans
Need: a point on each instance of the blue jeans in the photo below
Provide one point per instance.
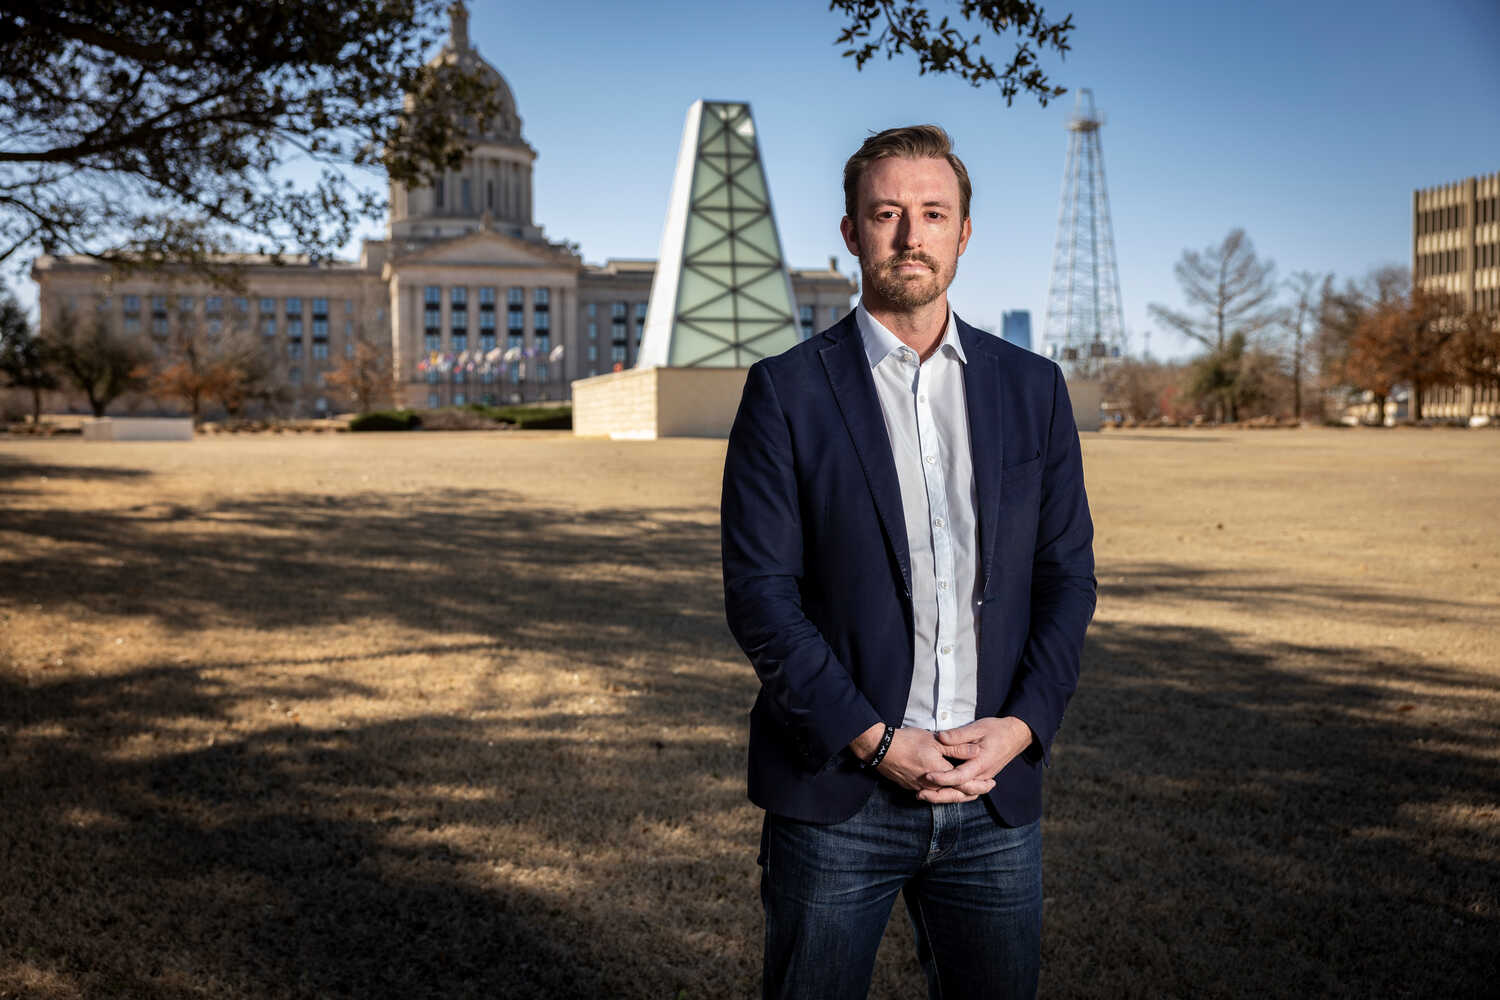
(973, 889)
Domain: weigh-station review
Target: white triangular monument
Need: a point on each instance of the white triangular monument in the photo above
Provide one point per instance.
(721, 297)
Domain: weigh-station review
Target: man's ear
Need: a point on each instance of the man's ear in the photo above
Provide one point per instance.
(851, 235)
(965, 231)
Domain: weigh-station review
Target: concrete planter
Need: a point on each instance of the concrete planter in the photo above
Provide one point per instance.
(138, 429)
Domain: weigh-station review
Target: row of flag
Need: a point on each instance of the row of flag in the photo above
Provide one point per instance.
(485, 361)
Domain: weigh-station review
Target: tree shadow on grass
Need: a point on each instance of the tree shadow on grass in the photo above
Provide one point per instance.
(473, 561)
(363, 860)
(1228, 818)
(1175, 436)
(1214, 586)
(14, 467)
(433, 854)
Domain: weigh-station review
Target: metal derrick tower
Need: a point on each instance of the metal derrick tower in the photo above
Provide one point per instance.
(1085, 326)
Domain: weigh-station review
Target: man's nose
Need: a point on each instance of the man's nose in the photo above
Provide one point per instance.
(908, 235)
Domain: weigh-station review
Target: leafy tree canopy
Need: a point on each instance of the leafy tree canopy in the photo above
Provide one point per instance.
(140, 130)
(893, 27)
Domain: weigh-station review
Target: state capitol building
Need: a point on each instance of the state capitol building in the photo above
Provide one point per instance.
(464, 271)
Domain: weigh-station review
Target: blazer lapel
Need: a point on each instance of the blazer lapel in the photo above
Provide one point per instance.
(982, 386)
(848, 371)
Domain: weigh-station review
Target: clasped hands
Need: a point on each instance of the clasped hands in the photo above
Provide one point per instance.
(924, 762)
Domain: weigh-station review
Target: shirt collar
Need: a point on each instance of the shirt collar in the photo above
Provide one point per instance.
(879, 342)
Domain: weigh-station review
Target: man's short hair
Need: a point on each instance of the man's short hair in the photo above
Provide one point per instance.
(913, 142)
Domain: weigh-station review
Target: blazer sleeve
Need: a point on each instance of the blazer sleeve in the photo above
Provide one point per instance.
(807, 690)
(1062, 583)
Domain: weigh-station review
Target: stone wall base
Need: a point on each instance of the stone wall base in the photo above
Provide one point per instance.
(138, 429)
(648, 403)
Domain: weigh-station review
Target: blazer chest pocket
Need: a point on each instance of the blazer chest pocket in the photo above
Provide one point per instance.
(1021, 476)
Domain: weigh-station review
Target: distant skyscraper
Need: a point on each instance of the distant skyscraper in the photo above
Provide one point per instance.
(1016, 328)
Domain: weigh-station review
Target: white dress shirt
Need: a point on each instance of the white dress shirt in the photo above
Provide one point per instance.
(928, 424)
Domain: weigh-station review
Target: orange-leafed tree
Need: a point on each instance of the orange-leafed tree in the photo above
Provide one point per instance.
(1341, 312)
(1367, 363)
(1473, 354)
(198, 364)
(1399, 338)
(1416, 335)
(188, 372)
(364, 376)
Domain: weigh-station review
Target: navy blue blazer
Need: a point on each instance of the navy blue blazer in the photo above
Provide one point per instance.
(817, 576)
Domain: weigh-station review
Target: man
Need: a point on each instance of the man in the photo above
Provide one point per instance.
(908, 565)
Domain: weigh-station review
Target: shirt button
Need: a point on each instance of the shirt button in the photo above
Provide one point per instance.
(943, 716)
(931, 459)
(921, 399)
(938, 522)
(946, 650)
(942, 585)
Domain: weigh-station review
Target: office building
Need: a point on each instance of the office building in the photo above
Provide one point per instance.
(1455, 250)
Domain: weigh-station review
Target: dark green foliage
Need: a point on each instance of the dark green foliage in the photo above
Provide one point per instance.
(146, 130)
(556, 419)
(386, 420)
(1231, 379)
(892, 27)
(23, 361)
(533, 418)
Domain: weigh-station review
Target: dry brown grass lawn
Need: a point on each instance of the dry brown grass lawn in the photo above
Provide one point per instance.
(457, 715)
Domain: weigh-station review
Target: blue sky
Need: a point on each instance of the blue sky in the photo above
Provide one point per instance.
(1309, 124)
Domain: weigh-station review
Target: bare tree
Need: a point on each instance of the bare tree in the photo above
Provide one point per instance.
(101, 362)
(249, 372)
(1300, 317)
(1229, 289)
(894, 26)
(1142, 387)
(365, 376)
(186, 370)
(23, 360)
(198, 364)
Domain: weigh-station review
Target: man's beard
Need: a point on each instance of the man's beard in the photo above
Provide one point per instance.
(907, 291)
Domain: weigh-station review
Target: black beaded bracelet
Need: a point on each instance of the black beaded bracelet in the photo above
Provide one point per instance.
(885, 744)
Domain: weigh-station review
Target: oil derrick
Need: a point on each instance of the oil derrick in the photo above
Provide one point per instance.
(1085, 327)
